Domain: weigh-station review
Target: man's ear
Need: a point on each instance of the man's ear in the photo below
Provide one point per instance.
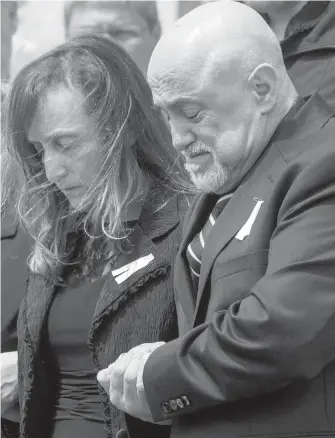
(263, 83)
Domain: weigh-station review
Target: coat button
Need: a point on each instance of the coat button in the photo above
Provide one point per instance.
(174, 405)
(180, 403)
(165, 406)
(186, 400)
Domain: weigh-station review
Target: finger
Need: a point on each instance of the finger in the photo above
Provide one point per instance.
(139, 381)
(116, 374)
(103, 379)
(130, 382)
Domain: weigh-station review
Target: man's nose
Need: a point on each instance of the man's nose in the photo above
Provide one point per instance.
(54, 166)
(181, 136)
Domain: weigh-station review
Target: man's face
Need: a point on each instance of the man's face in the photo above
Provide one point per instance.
(214, 123)
(122, 24)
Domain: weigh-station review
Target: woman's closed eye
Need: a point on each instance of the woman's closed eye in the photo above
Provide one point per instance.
(64, 143)
(191, 114)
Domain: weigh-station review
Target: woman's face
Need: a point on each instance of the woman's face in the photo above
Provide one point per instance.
(65, 137)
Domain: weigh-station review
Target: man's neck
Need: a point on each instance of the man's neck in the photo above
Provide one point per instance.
(281, 16)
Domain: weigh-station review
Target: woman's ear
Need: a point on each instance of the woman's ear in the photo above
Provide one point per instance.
(263, 83)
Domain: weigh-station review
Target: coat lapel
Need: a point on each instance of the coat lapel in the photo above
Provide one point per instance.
(39, 296)
(152, 225)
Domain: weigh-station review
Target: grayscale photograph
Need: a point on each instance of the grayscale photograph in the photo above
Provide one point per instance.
(167, 219)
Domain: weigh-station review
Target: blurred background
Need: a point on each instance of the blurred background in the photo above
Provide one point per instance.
(40, 25)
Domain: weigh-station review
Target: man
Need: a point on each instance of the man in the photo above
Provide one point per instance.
(133, 25)
(255, 275)
(307, 34)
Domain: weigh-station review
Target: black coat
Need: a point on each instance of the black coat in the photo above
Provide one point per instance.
(309, 50)
(15, 249)
(139, 310)
(256, 356)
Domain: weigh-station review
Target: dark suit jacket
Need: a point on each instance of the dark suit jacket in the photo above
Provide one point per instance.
(256, 356)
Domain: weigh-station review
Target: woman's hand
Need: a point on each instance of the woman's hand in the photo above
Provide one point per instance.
(9, 380)
(123, 381)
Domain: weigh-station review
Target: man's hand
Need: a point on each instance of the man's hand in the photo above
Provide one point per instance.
(9, 380)
(123, 381)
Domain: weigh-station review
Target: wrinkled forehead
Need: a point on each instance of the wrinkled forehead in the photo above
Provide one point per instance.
(168, 80)
(197, 79)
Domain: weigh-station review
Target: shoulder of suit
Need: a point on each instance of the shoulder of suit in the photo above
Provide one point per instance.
(311, 147)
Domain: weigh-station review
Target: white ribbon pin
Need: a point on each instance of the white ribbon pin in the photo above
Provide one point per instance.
(126, 271)
(246, 229)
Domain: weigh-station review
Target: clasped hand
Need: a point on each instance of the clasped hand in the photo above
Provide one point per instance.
(123, 381)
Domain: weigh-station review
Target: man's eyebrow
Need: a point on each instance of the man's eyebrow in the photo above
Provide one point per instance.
(180, 100)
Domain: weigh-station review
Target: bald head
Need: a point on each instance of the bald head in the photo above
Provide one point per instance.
(219, 78)
(216, 36)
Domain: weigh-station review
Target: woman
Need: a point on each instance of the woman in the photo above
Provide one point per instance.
(101, 204)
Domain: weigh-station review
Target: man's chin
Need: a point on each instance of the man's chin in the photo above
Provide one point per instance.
(207, 184)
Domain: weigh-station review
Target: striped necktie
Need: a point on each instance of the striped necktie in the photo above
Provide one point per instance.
(196, 247)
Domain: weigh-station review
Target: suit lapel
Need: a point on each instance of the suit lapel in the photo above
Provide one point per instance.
(186, 295)
(257, 186)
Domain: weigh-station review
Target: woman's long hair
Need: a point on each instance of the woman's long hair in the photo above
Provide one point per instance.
(120, 101)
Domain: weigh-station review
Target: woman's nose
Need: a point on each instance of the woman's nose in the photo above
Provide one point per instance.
(54, 166)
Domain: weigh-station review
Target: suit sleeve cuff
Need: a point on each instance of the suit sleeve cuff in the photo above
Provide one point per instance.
(163, 383)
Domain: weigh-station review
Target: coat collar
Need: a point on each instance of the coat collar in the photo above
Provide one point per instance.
(152, 225)
(160, 213)
(311, 29)
(307, 18)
